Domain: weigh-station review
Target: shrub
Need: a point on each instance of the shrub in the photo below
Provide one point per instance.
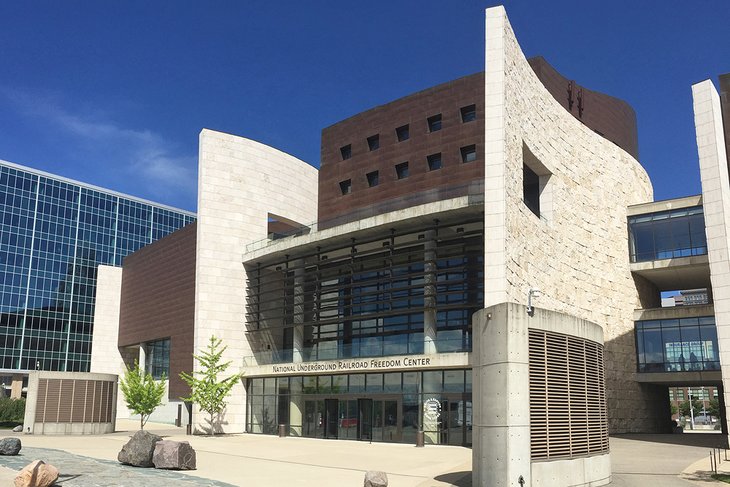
(12, 410)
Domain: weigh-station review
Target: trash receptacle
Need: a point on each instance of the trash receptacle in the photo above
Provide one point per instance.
(282, 430)
(419, 439)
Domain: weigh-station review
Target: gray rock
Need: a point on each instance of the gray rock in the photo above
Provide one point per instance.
(175, 455)
(375, 478)
(9, 446)
(139, 449)
(18, 428)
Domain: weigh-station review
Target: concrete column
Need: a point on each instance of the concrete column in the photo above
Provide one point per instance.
(296, 406)
(429, 293)
(16, 388)
(142, 359)
(298, 329)
(501, 381)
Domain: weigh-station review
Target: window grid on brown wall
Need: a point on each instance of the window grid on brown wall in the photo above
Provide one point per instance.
(568, 415)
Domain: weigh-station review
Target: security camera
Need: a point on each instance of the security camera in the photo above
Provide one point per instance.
(535, 292)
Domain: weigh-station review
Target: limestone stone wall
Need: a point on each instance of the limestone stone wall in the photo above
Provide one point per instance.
(240, 182)
(716, 205)
(576, 251)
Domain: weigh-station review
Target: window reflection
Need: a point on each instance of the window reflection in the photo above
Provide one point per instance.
(677, 345)
(667, 234)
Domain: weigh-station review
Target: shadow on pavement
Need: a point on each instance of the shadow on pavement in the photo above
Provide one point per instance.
(458, 479)
(707, 440)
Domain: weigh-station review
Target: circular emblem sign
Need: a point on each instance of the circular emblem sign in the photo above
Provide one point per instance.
(431, 409)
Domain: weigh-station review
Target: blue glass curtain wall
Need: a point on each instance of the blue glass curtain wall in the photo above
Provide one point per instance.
(53, 235)
(677, 345)
(370, 297)
(667, 234)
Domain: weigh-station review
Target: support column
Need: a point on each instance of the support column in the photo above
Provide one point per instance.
(501, 379)
(429, 293)
(298, 314)
(721, 406)
(142, 359)
(16, 388)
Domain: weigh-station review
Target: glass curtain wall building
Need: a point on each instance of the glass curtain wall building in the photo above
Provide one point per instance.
(53, 234)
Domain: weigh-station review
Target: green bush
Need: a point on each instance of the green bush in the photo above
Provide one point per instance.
(12, 410)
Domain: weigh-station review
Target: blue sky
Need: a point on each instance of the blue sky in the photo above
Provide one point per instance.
(115, 93)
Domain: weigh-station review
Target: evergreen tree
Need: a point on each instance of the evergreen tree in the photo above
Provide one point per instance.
(142, 392)
(207, 390)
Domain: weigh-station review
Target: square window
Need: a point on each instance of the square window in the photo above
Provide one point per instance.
(346, 186)
(434, 123)
(346, 152)
(374, 142)
(469, 153)
(401, 170)
(531, 189)
(434, 161)
(372, 178)
(402, 133)
(468, 114)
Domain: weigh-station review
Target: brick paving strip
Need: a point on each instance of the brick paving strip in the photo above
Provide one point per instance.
(80, 471)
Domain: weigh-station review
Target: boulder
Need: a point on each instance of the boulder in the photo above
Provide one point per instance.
(139, 449)
(375, 478)
(37, 474)
(175, 455)
(9, 446)
(18, 428)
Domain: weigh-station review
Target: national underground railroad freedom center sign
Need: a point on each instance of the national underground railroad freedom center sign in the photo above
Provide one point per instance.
(372, 364)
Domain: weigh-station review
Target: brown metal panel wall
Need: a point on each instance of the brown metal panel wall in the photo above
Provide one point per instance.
(446, 99)
(568, 416)
(158, 300)
(612, 118)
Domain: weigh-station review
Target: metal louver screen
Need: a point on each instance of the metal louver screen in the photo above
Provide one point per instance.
(568, 415)
(74, 401)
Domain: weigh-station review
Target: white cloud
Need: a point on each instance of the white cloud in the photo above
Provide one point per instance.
(147, 157)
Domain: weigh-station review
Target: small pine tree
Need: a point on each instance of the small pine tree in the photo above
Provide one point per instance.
(208, 391)
(142, 392)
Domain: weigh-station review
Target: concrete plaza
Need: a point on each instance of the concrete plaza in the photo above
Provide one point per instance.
(257, 460)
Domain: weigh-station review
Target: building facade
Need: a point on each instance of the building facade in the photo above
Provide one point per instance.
(54, 234)
(486, 268)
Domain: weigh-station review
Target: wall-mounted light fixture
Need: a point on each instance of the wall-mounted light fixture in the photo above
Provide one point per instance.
(532, 293)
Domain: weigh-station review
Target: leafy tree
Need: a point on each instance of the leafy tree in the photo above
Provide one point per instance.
(673, 408)
(207, 390)
(696, 407)
(713, 408)
(142, 392)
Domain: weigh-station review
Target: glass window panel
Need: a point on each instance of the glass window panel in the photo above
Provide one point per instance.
(392, 382)
(310, 384)
(339, 384)
(432, 381)
(374, 383)
(410, 382)
(357, 383)
(453, 381)
(324, 384)
(257, 386)
(270, 385)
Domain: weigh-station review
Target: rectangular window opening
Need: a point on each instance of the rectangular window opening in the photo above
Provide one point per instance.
(469, 153)
(536, 185)
(372, 178)
(374, 142)
(346, 186)
(346, 152)
(434, 161)
(434, 123)
(401, 170)
(402, 133)
(469, 113)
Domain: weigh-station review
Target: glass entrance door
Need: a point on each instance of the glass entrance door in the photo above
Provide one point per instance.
(365, 419)
(455, 421)
(331, 418)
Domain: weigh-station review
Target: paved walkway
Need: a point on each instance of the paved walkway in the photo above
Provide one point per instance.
(256, 460)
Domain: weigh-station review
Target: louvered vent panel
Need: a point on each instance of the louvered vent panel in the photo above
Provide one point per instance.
(77, 413)
(65, 401)
(53, 396)
(40, 405)
(567, 396)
